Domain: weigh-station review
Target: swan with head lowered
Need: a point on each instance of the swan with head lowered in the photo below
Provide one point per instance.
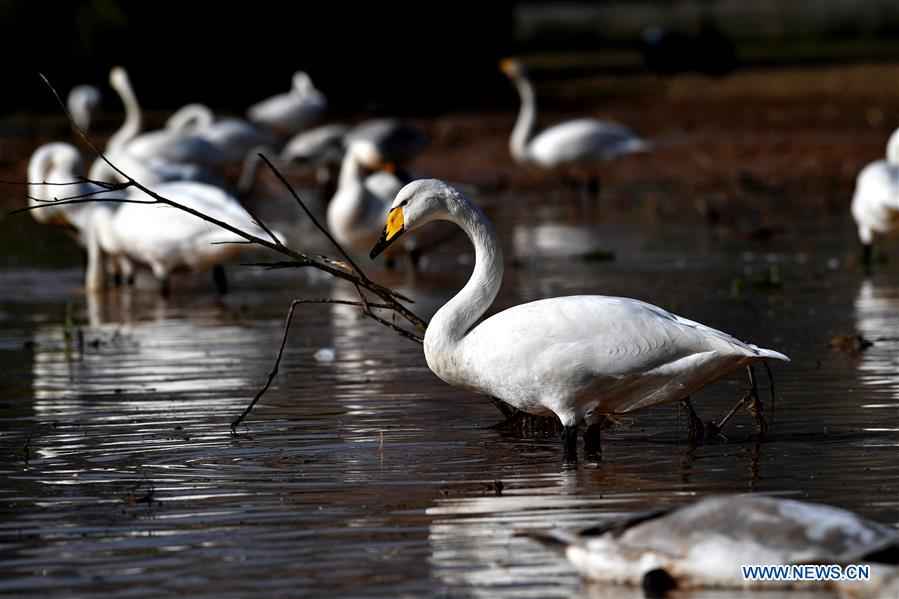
(571, 143)
(579, 357)
(875, 203)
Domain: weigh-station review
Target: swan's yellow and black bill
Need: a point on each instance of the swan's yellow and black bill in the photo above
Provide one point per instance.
(392, 230)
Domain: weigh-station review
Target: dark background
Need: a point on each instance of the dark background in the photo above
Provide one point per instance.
(412, 57)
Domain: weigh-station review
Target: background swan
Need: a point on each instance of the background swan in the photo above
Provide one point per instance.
(578, 357)
(704, 544)
(234, 137)
(82, 101)
(575, 142)
(289, 113)
(158, 155)
(161, 237)
(875, 203)
(356, 212)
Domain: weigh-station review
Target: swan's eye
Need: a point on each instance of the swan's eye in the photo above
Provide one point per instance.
(403, 203)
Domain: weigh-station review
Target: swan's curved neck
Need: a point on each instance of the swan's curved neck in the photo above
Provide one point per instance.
(457, 317)
(190, 116)
(351, 171)
(527, 116)
(133, 118)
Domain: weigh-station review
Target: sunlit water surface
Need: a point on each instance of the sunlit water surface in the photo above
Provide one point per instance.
(366, 475)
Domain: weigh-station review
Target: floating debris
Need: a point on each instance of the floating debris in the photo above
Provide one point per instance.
(326, 354)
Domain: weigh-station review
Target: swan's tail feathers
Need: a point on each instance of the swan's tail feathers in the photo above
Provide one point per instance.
(769, 353)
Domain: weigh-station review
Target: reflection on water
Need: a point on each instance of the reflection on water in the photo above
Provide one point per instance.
(368, 475)
(877, 315)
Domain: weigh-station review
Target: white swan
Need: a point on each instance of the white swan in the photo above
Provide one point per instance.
(289, 113)
(319, 146)
(161, 237)
(705, 543)
(356, 212)
(82, 101)
(234, 137)
(161, 155)
(573, 357)
(875, 203)
(571, 143)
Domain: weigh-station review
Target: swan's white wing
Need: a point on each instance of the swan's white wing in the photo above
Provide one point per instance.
(172, 238)
(236, 137)
(288, 112)
(321, 144)
(176, 147)
(582, 140)
(617, 354)
(762, 530)
(705, 543)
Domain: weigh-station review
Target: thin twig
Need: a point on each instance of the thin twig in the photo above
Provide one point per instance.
(318, 225)
(274, 371)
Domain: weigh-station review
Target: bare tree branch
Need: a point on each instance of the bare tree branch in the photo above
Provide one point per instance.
(346, 269)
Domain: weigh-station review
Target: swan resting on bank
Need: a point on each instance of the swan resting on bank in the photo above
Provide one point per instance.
(578, 358)
(875, 203)
(116, 235)
(706, 543)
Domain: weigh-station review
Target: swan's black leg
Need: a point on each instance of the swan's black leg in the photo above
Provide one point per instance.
(695, 427)
(569, 442)
(117, 279)
(221, 281)
(592, 438)
(165, 287)
(867, 255)
(755, 406)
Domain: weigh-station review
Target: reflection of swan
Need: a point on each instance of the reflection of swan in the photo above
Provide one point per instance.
(155, 156)
(233, 137)
(82, 101)
(572, 357)
(877, 320)
(875, 203)
(144, 344)
(162, 237)
(572, 142)
(291, 112)
(704, 544)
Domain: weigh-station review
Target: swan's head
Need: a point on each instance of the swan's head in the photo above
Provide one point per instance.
(365, 152)
(417, 203)
(512, 68)
(118, 78)
(302, 82)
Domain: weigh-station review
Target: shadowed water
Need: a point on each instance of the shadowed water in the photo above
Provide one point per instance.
(366, 475)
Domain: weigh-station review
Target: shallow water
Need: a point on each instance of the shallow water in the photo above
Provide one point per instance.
(366, 475)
